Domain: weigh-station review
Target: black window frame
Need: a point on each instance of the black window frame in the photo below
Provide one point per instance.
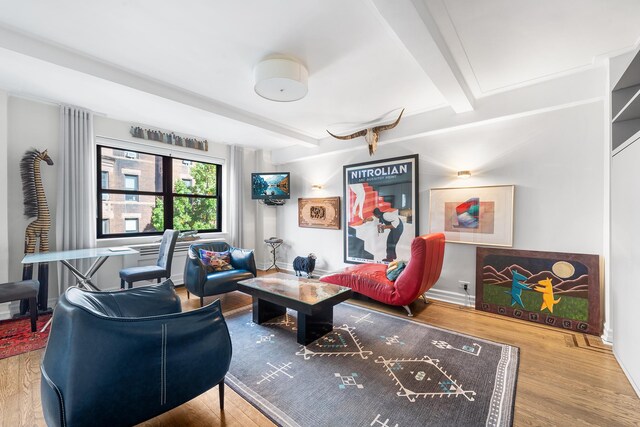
(167, 194)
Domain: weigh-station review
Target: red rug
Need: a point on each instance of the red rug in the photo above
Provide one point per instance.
(16, 336)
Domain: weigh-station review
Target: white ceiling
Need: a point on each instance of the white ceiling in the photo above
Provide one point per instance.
(189, 66)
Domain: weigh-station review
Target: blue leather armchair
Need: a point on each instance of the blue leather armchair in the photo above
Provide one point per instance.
(119, 358)
(203, 284)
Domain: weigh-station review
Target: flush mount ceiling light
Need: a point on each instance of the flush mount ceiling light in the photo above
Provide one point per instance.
(464, 174)
(281, 79)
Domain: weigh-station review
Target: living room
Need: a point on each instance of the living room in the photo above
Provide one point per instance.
(510, 92)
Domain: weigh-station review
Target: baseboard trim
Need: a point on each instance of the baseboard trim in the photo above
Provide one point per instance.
(452, 297)
(635, 386)
(607, 334)
(10, 309)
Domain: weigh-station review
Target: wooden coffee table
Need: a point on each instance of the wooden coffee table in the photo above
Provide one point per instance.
(312, 299)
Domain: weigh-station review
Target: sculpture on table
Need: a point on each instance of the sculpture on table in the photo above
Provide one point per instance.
(37, 232)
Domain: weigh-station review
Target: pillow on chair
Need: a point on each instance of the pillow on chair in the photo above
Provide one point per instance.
(394, 269)
(215, 261)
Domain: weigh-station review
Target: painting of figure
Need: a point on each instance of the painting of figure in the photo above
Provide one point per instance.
(557, 289)
(381, 210)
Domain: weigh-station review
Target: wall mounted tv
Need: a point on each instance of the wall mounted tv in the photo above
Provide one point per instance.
(270, 186)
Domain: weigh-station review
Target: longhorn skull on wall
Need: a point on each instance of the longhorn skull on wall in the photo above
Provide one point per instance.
(371, 135)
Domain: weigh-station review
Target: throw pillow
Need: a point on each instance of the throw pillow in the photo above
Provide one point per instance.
(215, 261)
(394, 269)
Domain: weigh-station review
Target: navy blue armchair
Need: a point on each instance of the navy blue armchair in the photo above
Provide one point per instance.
(120, 358)
(203, 284)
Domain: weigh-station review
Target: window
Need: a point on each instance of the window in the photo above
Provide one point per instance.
(131, 183)
(147, 193)
(130, 154)
(105, 184)
(131, 225)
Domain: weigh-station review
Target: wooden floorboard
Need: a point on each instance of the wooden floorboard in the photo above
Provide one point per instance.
(565, 378)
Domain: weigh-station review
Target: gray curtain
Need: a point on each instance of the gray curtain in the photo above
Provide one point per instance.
(236, 195)
(76, 198)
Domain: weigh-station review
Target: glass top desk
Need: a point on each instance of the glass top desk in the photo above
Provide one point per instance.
(83, 279)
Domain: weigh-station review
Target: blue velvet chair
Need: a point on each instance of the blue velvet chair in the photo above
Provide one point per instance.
(203, 284)
(120, 358)
(161, 270)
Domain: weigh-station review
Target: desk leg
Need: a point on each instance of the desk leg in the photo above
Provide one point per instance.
(310, 328)
(82, 279)
(264, 310)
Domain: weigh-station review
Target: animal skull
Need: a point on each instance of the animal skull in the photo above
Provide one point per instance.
(371, 135)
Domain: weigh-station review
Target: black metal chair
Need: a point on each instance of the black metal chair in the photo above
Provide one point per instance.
(120, 358)
(161, 270)
(26, 289)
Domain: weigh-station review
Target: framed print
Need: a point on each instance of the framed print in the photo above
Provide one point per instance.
(553, 288)
(380, 209)
(319, 213)
(473, 215)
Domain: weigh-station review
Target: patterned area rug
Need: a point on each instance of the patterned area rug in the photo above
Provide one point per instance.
(16, 336)
(372, 370)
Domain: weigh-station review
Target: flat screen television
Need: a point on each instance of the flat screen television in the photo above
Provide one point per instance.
(270, 185)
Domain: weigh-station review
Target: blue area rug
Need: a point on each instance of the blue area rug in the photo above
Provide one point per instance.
(372, 370)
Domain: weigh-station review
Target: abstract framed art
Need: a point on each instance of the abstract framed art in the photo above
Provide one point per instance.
(380, 210)
(473, 215)
(319, 213)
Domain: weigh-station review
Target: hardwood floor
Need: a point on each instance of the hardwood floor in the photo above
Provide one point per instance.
(565, 378)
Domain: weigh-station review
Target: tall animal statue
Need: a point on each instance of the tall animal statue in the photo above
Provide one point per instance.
(35, 205)
(307, 265)
(371, 135)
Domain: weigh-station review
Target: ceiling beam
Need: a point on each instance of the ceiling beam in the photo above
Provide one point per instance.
(415, 29)
(19, 42)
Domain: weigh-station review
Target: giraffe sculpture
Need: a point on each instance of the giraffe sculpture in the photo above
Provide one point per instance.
(35, 205)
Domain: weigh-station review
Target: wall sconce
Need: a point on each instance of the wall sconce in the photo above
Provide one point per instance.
(316, 187)
(464, 174)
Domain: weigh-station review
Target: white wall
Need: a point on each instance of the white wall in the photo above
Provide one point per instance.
(30, 125)
(554, 159)
(4, 161)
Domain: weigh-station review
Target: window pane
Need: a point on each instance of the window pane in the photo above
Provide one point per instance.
(148, 214)
(120, 164)
(195, 213)
(105, 226)
(203, 177)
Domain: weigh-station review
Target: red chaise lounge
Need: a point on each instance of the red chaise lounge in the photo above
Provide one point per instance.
(420, 274)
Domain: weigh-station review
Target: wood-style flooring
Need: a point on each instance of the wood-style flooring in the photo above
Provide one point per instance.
(565, 378)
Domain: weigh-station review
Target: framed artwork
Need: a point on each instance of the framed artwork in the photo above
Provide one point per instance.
(557, 289)
(319, 213)
(473, 215)
(380, 209)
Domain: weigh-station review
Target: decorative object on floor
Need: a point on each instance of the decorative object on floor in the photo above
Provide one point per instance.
(281, 78)
(382, 210)
(420, 274)
(314, 301)
(134, 343)
(35, 205)
(304, 264)
(372, 367)
(16, 336)
(319, 213)
(274, 243)
(474, 215)
(169, 138)
(557, 289)
(371, 135)
(24, 290)
(203, 284)
(162, 268)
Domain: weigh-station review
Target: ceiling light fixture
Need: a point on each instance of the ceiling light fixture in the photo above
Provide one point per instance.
(464, 174)
(316, 187)
(281, 79)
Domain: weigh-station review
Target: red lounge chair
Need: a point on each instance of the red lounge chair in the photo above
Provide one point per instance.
(420, 274)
